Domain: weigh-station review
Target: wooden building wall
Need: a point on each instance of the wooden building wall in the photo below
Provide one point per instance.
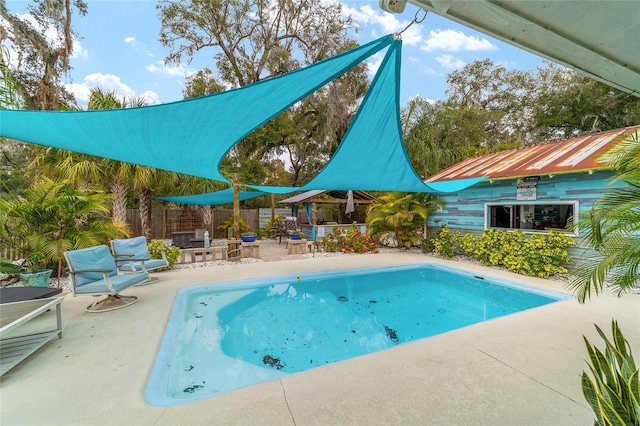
(465, 211)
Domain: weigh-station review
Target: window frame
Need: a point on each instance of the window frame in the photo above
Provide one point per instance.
(489, 205)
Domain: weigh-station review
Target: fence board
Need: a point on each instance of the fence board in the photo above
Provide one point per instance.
(265, 215)
(166, 221)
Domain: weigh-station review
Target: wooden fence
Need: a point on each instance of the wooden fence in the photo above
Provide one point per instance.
(165, 221)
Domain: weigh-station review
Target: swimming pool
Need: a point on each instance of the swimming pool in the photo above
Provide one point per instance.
(222, 337)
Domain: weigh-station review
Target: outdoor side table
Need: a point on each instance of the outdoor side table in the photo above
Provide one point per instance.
(15, 349)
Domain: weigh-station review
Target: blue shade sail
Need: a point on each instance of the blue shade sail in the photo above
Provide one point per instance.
(372, 155)
(211, 198)
(431, 187)
(190, 136)
(454, 185)
(193, 136)
(275, 189)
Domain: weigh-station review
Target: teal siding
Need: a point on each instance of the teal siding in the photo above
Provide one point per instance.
(465, 210)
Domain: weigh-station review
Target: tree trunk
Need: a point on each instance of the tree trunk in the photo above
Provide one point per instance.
(207, 216)
(119, 190)
(144, 206)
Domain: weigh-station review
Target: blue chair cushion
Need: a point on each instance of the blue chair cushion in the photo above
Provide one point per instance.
(136, 246)
(149, 264)
(119, 282)
(98, 257)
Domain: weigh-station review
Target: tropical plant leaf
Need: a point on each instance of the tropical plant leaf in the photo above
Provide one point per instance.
(614, 391)
(591, 396)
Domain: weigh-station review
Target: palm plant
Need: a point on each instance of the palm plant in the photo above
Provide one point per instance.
(611, 230)
(116, 175)
(54, 217)
(400, 213)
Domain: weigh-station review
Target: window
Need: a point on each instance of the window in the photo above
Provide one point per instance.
(530, 217)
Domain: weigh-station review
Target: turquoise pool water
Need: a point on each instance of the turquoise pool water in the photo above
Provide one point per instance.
(222, 337)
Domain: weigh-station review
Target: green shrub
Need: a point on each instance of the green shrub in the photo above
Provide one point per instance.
(489, 248)
(614, 391)
(538, 255)
(446, 244)
(349, 241)
(427, 245)
(401, 213)
(467, 243)
(272, 223)
(228, 224)
(155, 251)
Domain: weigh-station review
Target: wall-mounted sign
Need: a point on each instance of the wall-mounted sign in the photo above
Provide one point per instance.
(526, 189)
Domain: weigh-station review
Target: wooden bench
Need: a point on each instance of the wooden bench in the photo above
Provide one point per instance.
(189, 255)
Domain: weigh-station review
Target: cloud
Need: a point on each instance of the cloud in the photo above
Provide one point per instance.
(107, 83)
(150, 97)
(138, 46)
(419, 97)
(179, 70)
(449, 62)
(383, 23)
(454, 41)
(78, 51)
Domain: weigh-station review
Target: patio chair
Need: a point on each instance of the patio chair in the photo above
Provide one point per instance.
(93, 272)
(132, 255)
(289, 225)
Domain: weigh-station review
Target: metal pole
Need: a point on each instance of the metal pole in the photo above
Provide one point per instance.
(236, 207)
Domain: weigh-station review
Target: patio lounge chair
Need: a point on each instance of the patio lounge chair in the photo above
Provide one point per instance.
(93, 272)
(132, 255)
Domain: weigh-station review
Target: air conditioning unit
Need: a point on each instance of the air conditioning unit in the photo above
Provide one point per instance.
(393, 6)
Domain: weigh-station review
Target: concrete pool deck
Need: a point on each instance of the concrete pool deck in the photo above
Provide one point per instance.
(522, 369)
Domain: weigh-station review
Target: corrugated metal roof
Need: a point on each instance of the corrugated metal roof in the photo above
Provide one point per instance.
(577, 154)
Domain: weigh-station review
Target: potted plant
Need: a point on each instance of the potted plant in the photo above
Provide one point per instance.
(34, 271)
(248, 237)
(298, 235)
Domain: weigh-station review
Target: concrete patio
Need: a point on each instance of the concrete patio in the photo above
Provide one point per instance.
(522, 369)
